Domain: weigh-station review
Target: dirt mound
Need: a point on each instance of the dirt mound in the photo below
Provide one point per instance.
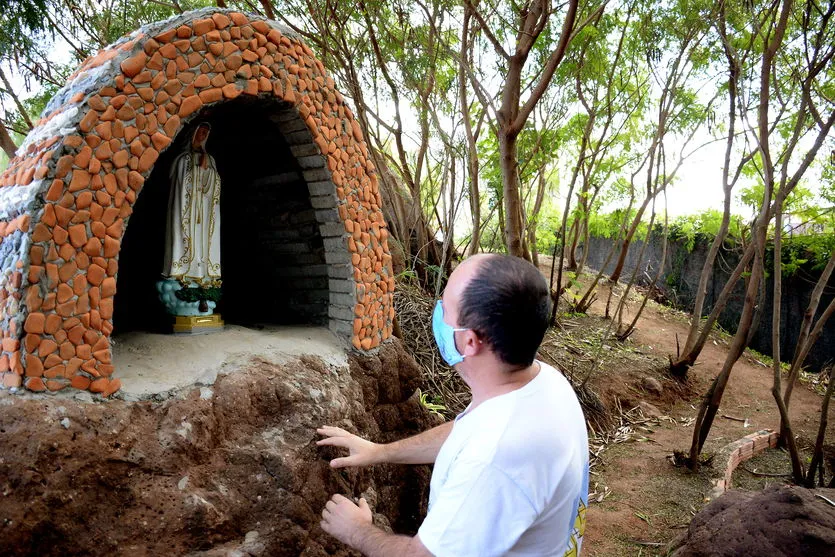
(227, 469)
(777, 521)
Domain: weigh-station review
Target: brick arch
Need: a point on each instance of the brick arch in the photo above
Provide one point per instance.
(67, 197)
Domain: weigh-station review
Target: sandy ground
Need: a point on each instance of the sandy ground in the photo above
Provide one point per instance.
(652, 501)
(151, 364)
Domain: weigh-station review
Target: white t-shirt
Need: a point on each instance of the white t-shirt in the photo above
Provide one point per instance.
(512, 477)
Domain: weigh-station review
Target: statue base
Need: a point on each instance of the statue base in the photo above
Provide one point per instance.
(197, 324)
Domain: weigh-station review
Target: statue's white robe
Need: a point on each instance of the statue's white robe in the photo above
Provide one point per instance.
(192, 247)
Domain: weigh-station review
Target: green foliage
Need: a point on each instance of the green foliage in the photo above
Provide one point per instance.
(689, 230)
(433, 403)
(804, 251)
(20, 22)
(608, 225)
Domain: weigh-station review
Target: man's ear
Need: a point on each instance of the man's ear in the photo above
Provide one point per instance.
(471, 344)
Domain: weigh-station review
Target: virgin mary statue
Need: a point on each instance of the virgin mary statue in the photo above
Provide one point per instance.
(192, 242)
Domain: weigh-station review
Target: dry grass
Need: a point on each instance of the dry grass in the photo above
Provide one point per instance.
(440, 382)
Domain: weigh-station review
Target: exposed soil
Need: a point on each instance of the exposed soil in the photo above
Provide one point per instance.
(215, 470)
(777, 521)
(645, 500)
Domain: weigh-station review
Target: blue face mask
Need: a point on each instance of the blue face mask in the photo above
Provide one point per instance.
(445, 336)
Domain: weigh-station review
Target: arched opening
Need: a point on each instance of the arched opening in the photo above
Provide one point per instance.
(273, 256)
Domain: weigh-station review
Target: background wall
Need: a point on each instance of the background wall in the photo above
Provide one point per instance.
(680, 279)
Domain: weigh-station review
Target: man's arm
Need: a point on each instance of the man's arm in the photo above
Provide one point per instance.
(422, 448)
(351, 524)
(376, 543)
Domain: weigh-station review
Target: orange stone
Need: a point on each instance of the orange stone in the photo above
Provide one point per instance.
(172, 126)
(120, 159)
(110, 184)
(66, 350)
(66, 309)
(41, 233)
(93, 247)
(55, 190)
(95, 275)
(82, 215)
(64, 293)
(33, 298)
(160, 141)
(52, 324)
(11, 344)
(168, 51)
(34, 323)
(111, 247)
(189, 106)
(211, 95)
(64, 215)
(69, 253)
(76, 334)
(35, 384)
(136, 147)
(52, 384)
(98, 229)
(82, 159)
(238, 18)
(80, 180)
(78, 235)
(135, 179)
(80, 382)
(90, 119)
(148, 158)
(221, 21)
(100, 385)
(84, 351)
(133, 65)
(202, 81)
(143, 77)
(60, 235)
(67, 271)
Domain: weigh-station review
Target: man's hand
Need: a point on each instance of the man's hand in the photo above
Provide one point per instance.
(361, 452)
(345, 521)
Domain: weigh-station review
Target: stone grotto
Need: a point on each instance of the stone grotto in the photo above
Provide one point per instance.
(83, 205)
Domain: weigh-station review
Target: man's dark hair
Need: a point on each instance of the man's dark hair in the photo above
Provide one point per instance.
(507, 304)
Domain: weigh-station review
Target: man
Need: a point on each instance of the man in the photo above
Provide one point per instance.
(511, 472)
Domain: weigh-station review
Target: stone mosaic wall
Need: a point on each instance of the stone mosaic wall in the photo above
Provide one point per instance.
(66, 198)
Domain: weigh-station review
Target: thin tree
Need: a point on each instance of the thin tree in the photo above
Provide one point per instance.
(529, 23)
(779, 182)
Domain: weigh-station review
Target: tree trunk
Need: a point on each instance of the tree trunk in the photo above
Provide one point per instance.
(624, 248)
(802, 348)
(472, 153)
(623, 335)
(817, 455)
(727, 186)
(6, 142)
(534, 218)
(710, 404)
(776, 390)
(509, 161)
